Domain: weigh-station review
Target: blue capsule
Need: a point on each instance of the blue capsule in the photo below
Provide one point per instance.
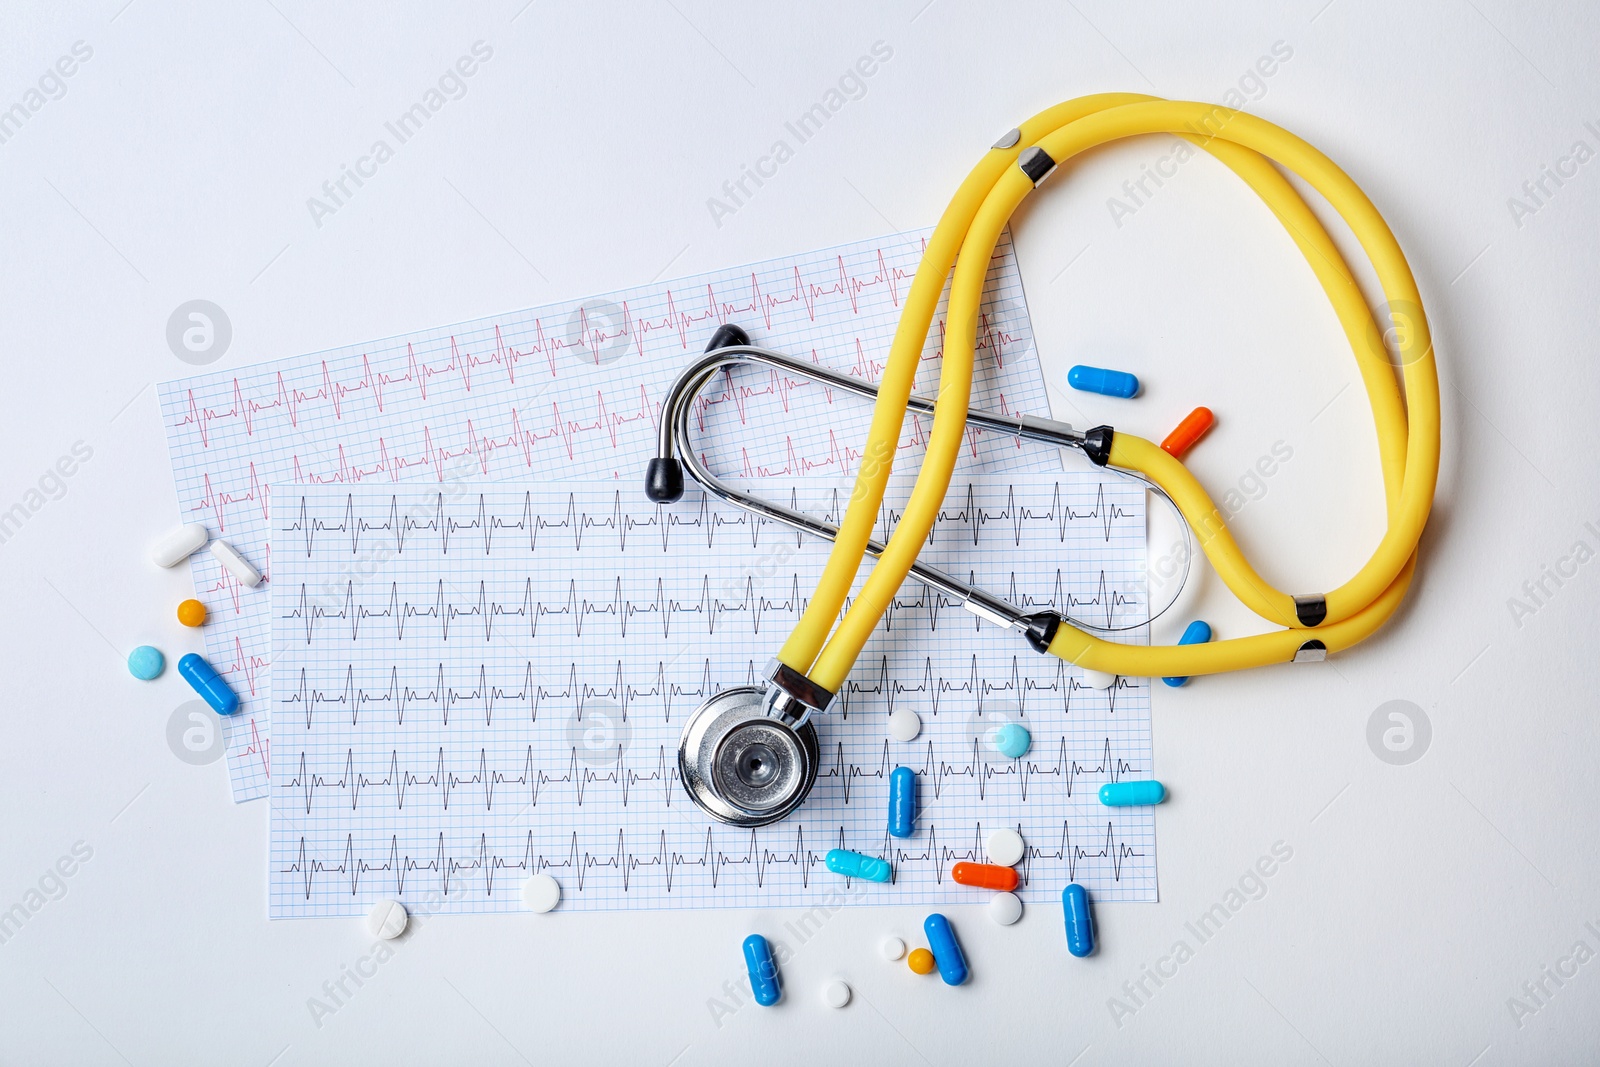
(1080, 925)
(204, 679)
(1132, 794)
(946, 949)
(1102, 381)
(902, 802)
(763, 970)
(1197, 633)
(855, 865)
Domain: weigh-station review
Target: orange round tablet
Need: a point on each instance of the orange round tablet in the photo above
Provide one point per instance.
(921, 961)
(192, 613)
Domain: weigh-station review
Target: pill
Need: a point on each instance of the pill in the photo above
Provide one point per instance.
(1132, 794)
(763, 970)
(893, 949)
(985, 876)
(387, 919)
(1186, 433)
(905, 725)
(209, 684)
(145, 663)
(855, 865)
(1013, 740)
(836, 994)
(541, 893)
(945, 948)
(236, 564)
(1102, 381)
(1080, 927)
(178, 544)
(1004, 847)
(921, 961)
(1005, 908)
(192, 613)
(1196, 633)
(1098, 679)
(902, 802)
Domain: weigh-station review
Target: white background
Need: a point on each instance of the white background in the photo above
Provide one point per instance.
(1419, 898)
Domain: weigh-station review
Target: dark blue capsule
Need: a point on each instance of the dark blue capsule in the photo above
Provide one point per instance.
(763, 970)
(902, 802)
(204, 679)
(1197, 633)
(1080, 925)
(1102, 381)
(947, 954)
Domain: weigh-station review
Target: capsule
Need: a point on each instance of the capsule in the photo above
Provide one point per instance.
(1132, 794)
(204, 679)
(763, 970)
(946, 949)
(1080, 925)
(1186, 433)
(855, 865)
(1102, 381)
(1197, 633)
(985, 876)
(902, 802)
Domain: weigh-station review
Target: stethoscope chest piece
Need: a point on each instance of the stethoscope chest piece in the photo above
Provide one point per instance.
(741, 763)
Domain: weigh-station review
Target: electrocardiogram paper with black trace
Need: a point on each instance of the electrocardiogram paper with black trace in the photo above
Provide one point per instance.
(475, 684)
(569, 390)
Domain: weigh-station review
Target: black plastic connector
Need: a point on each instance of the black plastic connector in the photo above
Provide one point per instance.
(1097, 445)
(1042, 630)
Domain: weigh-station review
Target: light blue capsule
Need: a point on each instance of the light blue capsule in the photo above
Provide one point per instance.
(1080, 925)
(204, 679)
(1197, 633)
(1132, 794)
(1102, 381)
(763, 970)
(856, 865)
(947, 954)
(1013, 740)
(902, 803)
(146, 662)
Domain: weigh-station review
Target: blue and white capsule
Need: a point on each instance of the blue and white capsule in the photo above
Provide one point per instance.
(1105, 382)
(1196, 633)
(1132, 794)
(857, 865)
(1080, 924)
(204, 679)
(902, 802)
(763, 971)
(947, 954)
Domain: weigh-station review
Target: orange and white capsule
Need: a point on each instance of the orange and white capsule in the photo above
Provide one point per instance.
(985, 876)
(1191, 429)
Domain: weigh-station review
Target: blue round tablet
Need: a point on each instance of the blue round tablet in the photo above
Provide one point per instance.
(1013, 740)
(146, 662)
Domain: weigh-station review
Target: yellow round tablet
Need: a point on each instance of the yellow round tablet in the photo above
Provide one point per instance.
(192, 613)
(921, 961)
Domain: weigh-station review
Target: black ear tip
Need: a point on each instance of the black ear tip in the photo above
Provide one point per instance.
(727, 336)
(663, 480)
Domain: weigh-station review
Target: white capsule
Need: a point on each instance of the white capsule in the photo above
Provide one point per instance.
(236, 564)
(904, 725)
(178, 544)
(1005, 908)
(387, 919)
(836, 994)
(541, 893)
(1004, 848)
(893, 949)
(1098, 679)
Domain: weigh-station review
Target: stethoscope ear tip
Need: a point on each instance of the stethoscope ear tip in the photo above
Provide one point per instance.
(663, 480)
(727, 336)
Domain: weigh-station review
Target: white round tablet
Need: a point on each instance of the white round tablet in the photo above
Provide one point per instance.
(1005, 848)
(387, 919)
(1005, 908)
(836, 994)
(541, 893)
(904, 725)
(894, 949)
(1098, 679)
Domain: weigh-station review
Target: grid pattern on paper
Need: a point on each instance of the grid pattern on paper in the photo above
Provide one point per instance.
(564, 391)
(476, 685)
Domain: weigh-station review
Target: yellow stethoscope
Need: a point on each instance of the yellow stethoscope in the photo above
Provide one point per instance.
(749, 755)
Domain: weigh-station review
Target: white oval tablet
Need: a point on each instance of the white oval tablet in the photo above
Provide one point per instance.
(236, 564)
(541, 893)
(904, 725)
(1005, 908)
(1098, 679)
(178, 544)
(387, 919)
(836, 994)
(1004, 848)
(893, 949)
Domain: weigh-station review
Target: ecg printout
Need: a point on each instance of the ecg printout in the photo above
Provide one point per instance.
(475, 684)
(569, 390)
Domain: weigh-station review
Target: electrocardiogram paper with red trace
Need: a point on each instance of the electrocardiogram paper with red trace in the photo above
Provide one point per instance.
(473, 684)
(569, 390)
